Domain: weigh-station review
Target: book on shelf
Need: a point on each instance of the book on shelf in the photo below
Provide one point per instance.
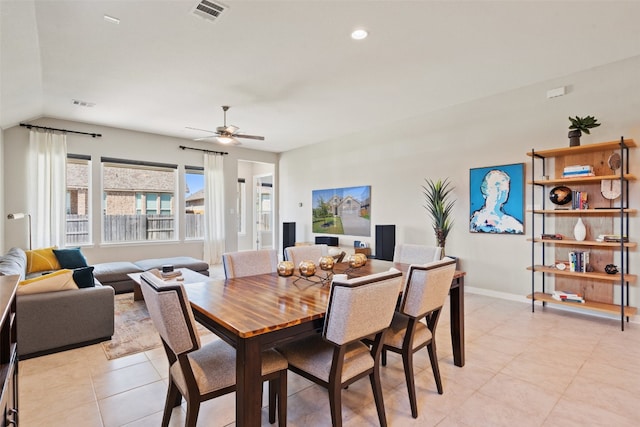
(551, 236)
(578, 261)
(578, 168)
(567, 296)
(579, 200)
(614, 238)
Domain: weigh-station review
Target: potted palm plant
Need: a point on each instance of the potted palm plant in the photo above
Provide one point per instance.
(439, 205)
(579, 125)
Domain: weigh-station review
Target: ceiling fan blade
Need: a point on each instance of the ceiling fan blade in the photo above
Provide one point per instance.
(201, 130)
(204, 138)
(239, 135)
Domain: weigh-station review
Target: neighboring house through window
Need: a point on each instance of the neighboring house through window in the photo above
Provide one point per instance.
(194, 202)
(138, 200)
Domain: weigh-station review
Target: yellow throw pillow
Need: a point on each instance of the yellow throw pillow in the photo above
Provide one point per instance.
(60, 280)
(42, 260)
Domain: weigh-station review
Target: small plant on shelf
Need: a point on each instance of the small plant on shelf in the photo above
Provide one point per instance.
(579, 125)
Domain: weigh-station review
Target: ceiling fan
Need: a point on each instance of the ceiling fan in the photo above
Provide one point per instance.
(226, 134)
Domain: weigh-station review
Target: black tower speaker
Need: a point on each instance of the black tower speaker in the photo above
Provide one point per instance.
(288, 235)
(385, 242)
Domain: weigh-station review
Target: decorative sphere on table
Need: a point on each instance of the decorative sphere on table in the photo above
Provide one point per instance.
(326, 263)
(307, 268)
(560, 195)
(357, 260)
(286, 268)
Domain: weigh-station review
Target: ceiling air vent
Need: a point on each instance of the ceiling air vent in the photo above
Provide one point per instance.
(209, 10)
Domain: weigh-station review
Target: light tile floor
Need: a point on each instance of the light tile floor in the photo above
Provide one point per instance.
(548, 368)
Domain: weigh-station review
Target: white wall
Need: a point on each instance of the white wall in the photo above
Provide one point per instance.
(497, 130)
(124, 144)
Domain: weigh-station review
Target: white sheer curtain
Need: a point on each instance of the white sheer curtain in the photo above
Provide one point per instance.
(214, 208)
(47, 187)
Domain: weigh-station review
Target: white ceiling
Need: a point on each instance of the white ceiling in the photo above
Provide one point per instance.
(289, 68)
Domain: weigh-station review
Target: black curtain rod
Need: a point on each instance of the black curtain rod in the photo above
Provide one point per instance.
(29, 126)
(222, 153)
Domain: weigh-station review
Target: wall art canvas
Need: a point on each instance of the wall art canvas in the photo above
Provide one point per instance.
(342, 211)
(497, 199)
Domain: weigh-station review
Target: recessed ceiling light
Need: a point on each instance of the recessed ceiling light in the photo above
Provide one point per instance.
(111, 19)
(359, 34)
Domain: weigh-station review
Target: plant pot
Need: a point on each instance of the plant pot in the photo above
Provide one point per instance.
(574, 138)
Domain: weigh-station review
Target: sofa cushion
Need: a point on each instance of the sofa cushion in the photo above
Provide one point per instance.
(60, 280)
(41, 260)
(178, 262)
(70, 258)
(84, 277)
(117, 271)
(14, 262)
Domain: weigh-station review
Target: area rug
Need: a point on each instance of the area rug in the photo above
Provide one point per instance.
(134, 331)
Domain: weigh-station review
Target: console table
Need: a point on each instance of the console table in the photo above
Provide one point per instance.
(8, 351)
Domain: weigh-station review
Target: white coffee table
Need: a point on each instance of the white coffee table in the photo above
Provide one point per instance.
(188, 276)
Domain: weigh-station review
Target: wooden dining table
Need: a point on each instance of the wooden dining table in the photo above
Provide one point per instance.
(255, 313)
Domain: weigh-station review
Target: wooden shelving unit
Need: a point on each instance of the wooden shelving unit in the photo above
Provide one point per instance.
(602, 217)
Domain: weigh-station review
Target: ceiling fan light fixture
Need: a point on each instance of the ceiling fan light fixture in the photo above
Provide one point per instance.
(224, 139)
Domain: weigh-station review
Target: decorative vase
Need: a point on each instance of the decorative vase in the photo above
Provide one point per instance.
(580, 231)
(574, 138)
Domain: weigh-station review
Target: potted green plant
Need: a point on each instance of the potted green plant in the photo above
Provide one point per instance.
(439, 205)
(579, 125)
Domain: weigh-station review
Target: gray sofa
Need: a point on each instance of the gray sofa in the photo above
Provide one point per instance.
(54, 321)
(116, 274)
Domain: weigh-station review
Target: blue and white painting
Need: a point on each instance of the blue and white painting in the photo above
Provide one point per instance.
(497, 199)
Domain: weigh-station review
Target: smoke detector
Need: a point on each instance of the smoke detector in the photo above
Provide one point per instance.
(209, 10)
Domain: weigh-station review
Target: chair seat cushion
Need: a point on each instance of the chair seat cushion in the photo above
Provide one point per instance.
(214, 366)
(314, 356)
(395, 335)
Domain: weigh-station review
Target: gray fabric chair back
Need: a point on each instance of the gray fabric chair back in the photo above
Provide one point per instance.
(297, 254)
(427, 287)
(170, 312)
(361, 307)
(416, 254)
(249, 263)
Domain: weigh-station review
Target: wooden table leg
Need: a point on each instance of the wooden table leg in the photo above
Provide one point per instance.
(456, 299)
(248, 382)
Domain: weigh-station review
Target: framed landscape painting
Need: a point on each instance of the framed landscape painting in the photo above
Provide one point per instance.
(342, 211)
(497, 199)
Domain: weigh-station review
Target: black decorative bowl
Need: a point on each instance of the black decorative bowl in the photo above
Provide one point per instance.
(560, 195)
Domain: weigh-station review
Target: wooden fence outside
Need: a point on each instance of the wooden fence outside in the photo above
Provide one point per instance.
(127, 228)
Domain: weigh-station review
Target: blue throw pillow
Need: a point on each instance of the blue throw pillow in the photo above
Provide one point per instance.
(70, 258)
(84, 277)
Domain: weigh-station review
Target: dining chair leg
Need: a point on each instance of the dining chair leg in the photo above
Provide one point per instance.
(407, 360)
(273, 387)
(376, 387)
(433, 357)
(193, 407)
(335, 404)
(282, 399)
(173, 399)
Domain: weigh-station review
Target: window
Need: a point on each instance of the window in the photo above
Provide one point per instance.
(138, 201)
(194, 202)
(77, 200)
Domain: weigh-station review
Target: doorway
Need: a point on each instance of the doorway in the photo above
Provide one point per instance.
(256, 205)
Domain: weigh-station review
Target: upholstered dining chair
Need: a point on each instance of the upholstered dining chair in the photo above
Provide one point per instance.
(424, 295)
(357, 308)
(197, 372)
(249, 263)
(406, 253)
(298, 254)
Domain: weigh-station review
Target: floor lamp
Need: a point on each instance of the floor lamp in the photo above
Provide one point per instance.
(20, 216)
